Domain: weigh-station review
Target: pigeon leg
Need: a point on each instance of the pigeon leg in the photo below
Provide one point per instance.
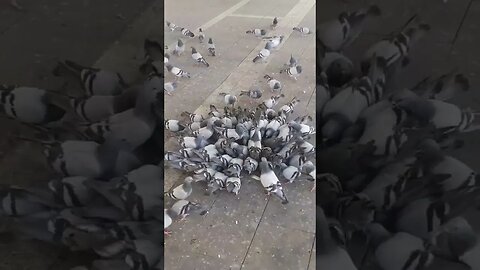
(183, 217)
(167, 233)
(314, 187)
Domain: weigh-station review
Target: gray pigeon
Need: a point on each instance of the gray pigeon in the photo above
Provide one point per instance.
(198, 57)
(229, 99)
(94, 81)
(30, 105)
(264, 53)
(257, 32)
(270, 181)
(182, 191)
(211, 47)
(169, 87)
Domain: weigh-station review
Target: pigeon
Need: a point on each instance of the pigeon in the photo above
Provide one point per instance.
(30, 105)
(18, 201)
(211, 47)
(338, 68)
(201, 35)
(338, 33)
(167, 221)
(182, 191)
(166, 58)
(274, 23)
(193, 117)
(331, 251)
(233, 185)
(444, 87)
(443, 116)
(270, 181)
(179, 48)
(254, 93)
(153, 56)
(135, 125)
(182, 208)
(87, 158)
(174, 125)
(337, 117)
(302, 30)
(275, 85)
(187, 33)
(178, 72)
(292, 62)
(434, 161)
(94, 81)
(269, 103)
(293, 72)
(97, 108)
(395, 49)
(71, 191)
(229, 99)
(274, 41)
(257, 32)
(171, 26)
(263, 54)
(169, 87)
(198, 57)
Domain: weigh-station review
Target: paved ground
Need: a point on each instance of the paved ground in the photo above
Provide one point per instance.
(245, 231)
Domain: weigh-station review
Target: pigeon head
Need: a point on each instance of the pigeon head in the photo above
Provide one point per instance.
(339, 73)
(210, 41)
(269, 45)
(264, 165)
(180, 43)
(333, 128)
(230, 187)
(189, 179)
(299, 69)
(194, 50)
(428, 149)
(454, 238)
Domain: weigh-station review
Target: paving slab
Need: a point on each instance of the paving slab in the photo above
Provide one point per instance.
(276, 247)
(267, 8)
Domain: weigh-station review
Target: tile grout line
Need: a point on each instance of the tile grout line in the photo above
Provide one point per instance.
(457, 33)
(254, 234)
(311, 253)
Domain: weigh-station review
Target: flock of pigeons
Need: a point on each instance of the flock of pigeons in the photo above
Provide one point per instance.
(227, 145)
(105, 149)
(398, 199)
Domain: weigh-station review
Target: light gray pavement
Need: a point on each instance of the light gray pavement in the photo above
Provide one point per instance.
(245, 231)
